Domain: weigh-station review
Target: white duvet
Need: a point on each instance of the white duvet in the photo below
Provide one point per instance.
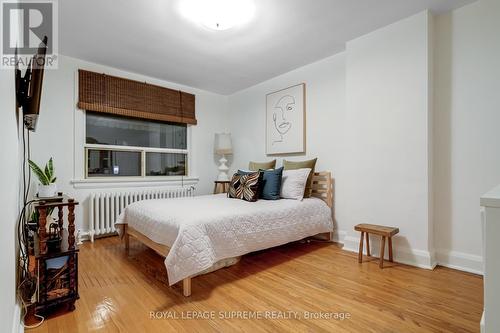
(203, 230)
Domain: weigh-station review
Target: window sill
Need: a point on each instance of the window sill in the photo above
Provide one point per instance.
(92, 183)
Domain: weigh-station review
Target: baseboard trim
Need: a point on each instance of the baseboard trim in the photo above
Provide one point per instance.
(412, 257)
(461, 261)
(17, 326)
(83, 236)
(338, 236)
(423, 259)
(481, 324)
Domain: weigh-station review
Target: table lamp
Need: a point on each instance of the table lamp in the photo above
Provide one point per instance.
(222, 146)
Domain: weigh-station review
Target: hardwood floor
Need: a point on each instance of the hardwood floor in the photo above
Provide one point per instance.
(120, 294)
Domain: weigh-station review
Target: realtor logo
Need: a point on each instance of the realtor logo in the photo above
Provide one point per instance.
(24, 25)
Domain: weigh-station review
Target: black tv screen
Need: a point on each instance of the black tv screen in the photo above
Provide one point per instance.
(29, 87)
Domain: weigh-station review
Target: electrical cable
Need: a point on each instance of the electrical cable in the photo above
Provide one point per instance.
(22, 229)
(29, 172)
(25, 308)
(26, 219)
(22, 233)
(21, 221)
(21, 236)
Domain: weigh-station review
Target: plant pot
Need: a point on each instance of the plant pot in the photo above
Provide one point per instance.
(47, 191)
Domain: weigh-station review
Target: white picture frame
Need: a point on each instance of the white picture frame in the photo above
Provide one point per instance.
(286, 120)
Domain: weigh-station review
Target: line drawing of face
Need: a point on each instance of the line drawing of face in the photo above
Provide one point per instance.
(282, 109)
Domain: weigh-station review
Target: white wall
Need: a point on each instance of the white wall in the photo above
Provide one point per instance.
(325, 113)
(60, 131)
(467, 135)
(376, 145)
(368, 121)
(387, 135)
(9, 197)
(409, 127)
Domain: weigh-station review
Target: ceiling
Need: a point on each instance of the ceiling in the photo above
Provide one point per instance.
(152, 38)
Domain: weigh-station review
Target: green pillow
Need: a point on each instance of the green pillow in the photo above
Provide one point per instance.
(291, 165)
(256, 166)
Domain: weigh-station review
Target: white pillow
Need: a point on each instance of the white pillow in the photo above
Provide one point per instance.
(293, 183)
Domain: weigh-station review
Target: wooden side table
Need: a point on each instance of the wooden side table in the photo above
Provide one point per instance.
(384, 232)
(221, 186)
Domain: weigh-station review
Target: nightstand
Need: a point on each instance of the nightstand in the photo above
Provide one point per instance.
(221, 186)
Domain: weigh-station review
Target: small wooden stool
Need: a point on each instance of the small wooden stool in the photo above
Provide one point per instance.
(384, 232)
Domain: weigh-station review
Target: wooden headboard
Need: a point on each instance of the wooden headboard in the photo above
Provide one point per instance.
(322, 187)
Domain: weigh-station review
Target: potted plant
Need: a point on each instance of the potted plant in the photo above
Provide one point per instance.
(47, 187)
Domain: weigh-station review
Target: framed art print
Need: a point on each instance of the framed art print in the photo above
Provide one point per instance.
(285, 121)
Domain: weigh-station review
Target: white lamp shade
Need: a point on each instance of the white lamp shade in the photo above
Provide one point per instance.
(222, 145)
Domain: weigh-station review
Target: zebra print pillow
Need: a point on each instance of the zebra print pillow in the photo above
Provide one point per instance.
(245, 187)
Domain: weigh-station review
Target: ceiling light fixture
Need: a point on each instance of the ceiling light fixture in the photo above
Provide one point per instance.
(218, 14)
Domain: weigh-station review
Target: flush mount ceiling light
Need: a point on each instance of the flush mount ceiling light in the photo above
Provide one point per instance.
(218, 14)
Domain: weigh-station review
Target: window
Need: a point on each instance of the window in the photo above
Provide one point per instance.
(117, 146)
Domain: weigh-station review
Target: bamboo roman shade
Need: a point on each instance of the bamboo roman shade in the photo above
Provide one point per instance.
(110, 94)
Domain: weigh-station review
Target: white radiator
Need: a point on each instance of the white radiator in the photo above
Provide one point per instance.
(104, 208)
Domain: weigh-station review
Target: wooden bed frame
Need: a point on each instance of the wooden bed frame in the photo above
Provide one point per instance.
(322, 188)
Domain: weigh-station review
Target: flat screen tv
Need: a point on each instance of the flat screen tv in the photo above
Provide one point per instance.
(29, 87)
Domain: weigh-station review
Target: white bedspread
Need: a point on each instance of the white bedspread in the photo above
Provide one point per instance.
(203, 230)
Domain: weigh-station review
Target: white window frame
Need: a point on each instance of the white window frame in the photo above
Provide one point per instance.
(142, 150)
(79, 180)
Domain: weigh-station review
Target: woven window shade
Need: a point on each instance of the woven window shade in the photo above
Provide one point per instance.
(111, 94)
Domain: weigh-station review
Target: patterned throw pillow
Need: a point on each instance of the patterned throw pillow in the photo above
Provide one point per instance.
(245, 187)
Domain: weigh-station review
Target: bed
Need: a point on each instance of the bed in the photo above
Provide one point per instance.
(200, 234)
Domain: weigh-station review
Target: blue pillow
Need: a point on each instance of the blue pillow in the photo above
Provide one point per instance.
(271, 183)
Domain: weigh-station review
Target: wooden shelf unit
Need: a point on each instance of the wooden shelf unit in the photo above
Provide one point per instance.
(56, 286)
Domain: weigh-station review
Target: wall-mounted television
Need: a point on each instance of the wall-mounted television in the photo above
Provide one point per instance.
(29, 87)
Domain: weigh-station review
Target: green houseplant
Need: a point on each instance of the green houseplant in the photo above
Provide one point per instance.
(47, 187)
